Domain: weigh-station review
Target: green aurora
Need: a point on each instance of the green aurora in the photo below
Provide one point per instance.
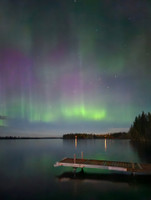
(74, 65)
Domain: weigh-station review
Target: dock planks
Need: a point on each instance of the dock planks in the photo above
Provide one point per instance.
(105, 164)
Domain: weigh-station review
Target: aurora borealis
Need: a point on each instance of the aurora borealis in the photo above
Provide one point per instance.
(74, 65)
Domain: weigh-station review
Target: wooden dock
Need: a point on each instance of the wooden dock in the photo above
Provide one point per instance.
(134, 168)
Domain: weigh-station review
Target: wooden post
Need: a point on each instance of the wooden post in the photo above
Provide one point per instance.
(82, 155)
(74, 158)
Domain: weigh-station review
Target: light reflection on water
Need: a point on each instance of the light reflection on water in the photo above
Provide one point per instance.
(27, 170)
(105, 144)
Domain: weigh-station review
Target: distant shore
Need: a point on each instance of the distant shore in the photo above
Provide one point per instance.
(20, 138)
(120, 135)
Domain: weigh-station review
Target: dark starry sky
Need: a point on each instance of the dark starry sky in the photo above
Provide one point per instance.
(74, 65)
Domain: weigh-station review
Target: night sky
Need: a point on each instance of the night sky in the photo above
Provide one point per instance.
(74, 65)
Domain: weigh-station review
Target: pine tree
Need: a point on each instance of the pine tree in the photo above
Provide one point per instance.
(141, 128)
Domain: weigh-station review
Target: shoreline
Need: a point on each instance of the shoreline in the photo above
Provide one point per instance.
(26, 138)
(45, 138)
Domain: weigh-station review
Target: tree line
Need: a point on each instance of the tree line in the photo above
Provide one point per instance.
(120, 135)
(141, 127)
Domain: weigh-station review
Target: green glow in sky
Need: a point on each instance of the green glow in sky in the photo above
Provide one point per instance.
(64, 63)
(80, 112)
(69, 114)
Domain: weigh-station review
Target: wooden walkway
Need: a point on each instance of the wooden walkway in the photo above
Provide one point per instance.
(105, 164)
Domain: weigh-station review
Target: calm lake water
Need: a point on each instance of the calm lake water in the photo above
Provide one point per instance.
(27, 172)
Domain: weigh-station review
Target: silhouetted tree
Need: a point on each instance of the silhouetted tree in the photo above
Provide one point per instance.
(141, 128)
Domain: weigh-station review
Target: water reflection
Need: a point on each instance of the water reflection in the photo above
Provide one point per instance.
(75, 141)
(111, 177)
(105, 144)
(27, 170)
(143, 150)
(105, 149)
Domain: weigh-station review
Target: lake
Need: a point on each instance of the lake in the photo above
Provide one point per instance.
(27, 171)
